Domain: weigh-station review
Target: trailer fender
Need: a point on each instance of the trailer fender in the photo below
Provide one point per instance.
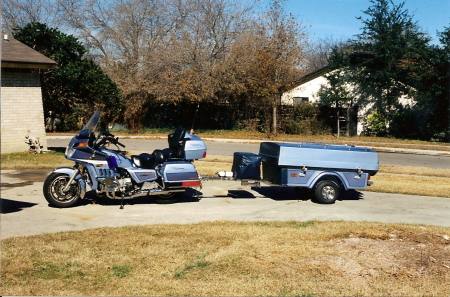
(329, 175)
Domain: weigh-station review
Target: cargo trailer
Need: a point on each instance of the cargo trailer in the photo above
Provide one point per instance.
(321, 169)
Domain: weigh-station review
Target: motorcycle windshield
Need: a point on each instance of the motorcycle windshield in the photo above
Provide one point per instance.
(91, 126)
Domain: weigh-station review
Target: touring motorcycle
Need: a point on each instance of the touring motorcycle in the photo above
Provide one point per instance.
(164, 174)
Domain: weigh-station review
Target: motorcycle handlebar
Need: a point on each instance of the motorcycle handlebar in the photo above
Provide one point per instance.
(109, 137)
(118, 143)
(107, 133)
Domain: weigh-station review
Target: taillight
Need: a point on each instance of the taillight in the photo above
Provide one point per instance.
(204, 154)
(191, 183)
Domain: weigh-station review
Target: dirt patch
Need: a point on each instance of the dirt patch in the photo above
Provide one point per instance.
(399, 254)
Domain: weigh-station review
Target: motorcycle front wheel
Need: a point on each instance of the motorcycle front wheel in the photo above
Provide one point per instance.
(168, 198)
(54, 194)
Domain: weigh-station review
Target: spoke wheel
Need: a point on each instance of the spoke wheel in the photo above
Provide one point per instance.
(54, 194)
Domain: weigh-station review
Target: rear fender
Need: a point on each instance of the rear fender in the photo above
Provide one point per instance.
(70, 171)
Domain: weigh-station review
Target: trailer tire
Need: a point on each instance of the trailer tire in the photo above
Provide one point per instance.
(326, 192)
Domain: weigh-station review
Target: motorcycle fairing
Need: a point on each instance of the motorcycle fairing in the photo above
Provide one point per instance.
(86, 155)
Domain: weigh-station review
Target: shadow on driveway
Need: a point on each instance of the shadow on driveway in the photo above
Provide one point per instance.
(291, 193)
(9, 206)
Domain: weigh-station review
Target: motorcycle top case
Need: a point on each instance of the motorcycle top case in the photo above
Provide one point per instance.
(246, 166)
(194, 147)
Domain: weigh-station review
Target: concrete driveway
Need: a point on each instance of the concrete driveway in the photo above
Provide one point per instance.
(25, 212)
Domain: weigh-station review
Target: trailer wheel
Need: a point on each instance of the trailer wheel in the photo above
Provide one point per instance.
(326, 192)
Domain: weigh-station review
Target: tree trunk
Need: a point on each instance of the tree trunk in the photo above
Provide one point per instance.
(274, 119)
(338, 123)
(347, 132)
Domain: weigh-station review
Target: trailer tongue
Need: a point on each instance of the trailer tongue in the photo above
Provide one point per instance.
(326, 169)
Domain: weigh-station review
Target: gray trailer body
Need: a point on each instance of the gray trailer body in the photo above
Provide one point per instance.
(303, 164)
(319, 155)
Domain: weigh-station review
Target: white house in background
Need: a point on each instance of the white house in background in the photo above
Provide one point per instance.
(307, 90)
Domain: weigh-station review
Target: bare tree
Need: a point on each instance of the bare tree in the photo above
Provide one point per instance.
(319, 53)
(274, 58)
(196, 50)
(18, 13)
(201, 46)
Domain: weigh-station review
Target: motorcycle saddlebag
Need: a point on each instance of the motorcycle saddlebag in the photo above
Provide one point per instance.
(246, 166)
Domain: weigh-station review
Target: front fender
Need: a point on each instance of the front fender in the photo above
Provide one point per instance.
(65, 170)
(70, 171)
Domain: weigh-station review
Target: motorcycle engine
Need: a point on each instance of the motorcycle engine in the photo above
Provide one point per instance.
(115, 184)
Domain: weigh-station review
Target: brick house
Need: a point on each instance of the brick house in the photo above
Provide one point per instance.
(21, 96)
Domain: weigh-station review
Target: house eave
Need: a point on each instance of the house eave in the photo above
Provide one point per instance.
(27, 65)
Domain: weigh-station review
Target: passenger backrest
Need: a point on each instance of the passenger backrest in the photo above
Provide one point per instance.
(177, 142)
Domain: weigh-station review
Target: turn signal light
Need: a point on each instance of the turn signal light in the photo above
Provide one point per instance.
(81, 144)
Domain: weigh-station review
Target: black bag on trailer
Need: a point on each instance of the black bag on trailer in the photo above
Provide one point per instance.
(246, 166)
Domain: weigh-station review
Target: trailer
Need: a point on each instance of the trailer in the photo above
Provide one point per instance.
(321, 169)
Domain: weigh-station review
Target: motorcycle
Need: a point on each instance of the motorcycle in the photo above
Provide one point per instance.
(164, 174)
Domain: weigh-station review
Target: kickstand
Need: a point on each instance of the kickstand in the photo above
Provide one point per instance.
(121, 201)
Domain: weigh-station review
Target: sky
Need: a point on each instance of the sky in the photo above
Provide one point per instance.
(336, 19)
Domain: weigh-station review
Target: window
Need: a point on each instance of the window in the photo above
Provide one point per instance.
(300, 100)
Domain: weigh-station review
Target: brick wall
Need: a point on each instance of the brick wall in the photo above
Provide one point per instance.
(21, 109)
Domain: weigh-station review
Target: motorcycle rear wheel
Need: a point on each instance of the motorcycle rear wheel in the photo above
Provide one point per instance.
(168, 198)
(53, 191)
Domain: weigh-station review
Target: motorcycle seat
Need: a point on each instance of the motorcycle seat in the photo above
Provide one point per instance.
(144, 160)
(150, 161)
(175, 151)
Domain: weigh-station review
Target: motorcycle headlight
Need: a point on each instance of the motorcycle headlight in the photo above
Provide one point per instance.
(69, 152)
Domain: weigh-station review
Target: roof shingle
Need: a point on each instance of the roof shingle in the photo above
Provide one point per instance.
(15, 54)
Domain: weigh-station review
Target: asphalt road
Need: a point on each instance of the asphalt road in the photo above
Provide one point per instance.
(227, 149)
(25, 212)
